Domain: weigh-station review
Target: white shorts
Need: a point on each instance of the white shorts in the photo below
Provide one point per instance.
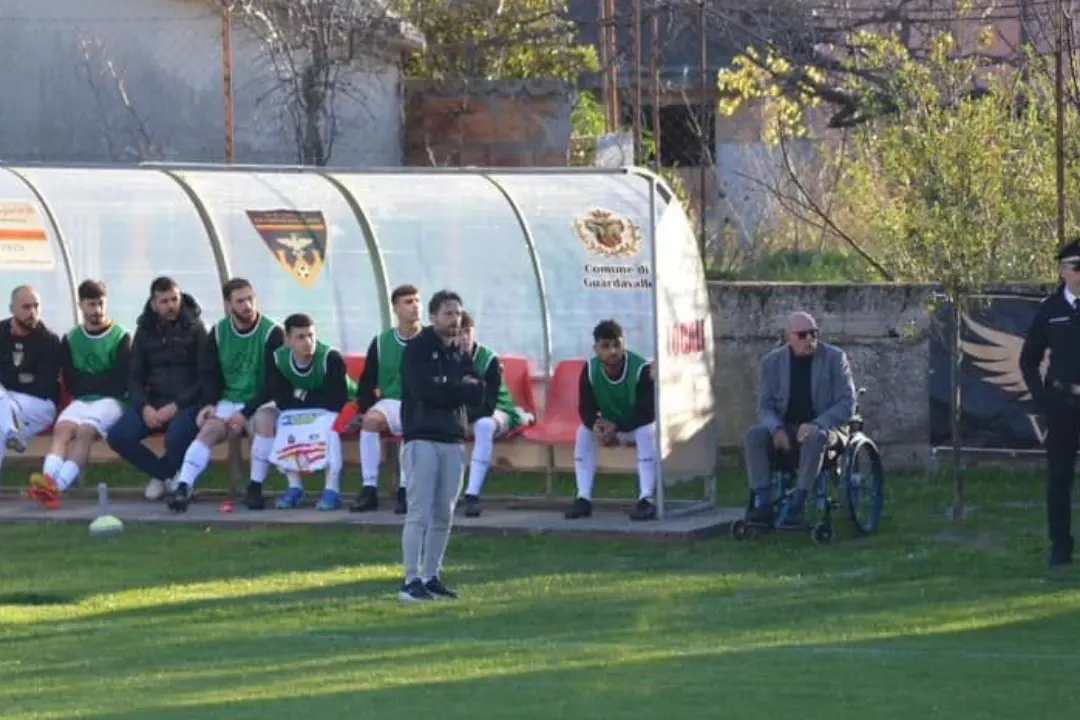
(35, 415)
(225, 409)
(391, 410)
(100, 414)
(502, 424)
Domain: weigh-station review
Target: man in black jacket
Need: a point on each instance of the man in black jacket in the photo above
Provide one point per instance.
(29, 372)
(438, 382)
(163, 384)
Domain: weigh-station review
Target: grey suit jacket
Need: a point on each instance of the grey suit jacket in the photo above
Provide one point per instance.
(832, 387)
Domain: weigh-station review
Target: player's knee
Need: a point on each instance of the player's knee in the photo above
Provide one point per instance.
(64, 432)
(265, 423)
(374, 421)
(212, 431)
(86, 433)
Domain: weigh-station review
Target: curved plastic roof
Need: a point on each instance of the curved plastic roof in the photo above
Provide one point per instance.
(525, 251)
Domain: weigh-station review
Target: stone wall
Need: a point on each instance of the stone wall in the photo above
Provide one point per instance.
(487, 123)
(883, 328)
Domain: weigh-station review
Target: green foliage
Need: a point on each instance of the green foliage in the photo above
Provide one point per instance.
(947, 185)
(511, 40)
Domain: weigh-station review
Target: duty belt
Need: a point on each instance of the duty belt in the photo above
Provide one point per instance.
(1066, 387)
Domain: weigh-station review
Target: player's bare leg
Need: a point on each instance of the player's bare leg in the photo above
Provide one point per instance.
(196, 459)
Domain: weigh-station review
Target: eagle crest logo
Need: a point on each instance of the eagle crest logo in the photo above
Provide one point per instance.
(296, 238)
(998, 355)
(602, 232)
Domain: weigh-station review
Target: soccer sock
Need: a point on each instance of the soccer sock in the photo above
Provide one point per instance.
(645, 439)
(66, 475)
(196, 459)
(483, 447)
(370, 457)
(52, 466)
(584, 462)
(294, 480)
(333, 462)
(261, 447)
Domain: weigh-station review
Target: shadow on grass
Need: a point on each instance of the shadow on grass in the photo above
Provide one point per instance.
(1012, 670)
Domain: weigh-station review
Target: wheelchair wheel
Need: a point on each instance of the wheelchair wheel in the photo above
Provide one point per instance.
(822, 534)
(741, 530)
(864, 485)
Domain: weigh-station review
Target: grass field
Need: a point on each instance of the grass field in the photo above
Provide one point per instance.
(927, 620)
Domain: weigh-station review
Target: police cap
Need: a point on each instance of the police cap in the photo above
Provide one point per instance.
(1070, 253)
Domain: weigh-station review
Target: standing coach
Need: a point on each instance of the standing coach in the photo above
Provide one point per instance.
(1056, 328)
(438, 384)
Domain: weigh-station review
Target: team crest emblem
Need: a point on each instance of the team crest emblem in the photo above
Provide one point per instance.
(602, 232)
(296, 238)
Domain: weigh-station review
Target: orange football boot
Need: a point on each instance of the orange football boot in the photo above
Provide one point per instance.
(44, 490)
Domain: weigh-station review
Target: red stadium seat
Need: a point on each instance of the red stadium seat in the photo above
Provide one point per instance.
(354, 365)
(517, 374)
(561, 420)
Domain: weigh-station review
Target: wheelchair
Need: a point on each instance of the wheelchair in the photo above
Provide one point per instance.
(852, 477)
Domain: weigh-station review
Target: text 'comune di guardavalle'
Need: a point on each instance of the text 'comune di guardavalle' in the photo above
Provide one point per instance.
(618, 277)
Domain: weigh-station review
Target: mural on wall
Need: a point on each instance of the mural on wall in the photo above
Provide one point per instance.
(296, 238)
(997, 409)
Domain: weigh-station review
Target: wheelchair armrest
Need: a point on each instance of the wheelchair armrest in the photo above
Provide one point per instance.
(859, 392)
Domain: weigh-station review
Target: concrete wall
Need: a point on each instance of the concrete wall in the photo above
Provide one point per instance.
(108, 81)
(883, 328)
(513, 123)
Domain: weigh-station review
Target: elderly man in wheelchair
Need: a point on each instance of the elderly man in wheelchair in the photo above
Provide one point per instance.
(805, 404)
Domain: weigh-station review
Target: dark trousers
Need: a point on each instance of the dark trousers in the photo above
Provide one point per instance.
(1062, 442)
(126, 436)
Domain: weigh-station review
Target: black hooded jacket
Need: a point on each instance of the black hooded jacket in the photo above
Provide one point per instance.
(165, 357)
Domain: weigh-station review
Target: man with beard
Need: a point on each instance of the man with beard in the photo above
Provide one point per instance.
(29, 372)
(163, 383)
(94, 362)
(238, 352)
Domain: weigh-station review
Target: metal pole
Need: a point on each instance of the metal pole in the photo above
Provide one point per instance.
(604, 61)
(703, 117)
(612, 68)
(635, 28)
(654, 70)
(226, 62)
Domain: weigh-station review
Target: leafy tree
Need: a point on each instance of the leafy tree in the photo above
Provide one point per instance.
(501, 40)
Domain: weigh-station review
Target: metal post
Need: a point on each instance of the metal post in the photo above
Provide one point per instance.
(226, 62)
(661, 490)
(635, 28)
(614, 115)
(654, 70)
(703, 117)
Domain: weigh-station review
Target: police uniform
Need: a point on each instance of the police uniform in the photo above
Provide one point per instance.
(1056, 328)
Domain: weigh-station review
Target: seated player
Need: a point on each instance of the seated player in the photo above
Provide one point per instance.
(94, 360)
(29, 372)
(497, 416)
(807, 393)
(233, 381)
(617, 405)
(308, 375)
(379, 392)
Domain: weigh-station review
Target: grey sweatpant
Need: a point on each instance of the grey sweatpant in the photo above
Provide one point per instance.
(434, 473)
(758, 446)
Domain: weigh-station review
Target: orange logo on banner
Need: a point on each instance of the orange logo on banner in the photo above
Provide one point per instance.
(602, 232)
(297, 239)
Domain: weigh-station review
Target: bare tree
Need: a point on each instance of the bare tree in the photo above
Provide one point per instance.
(321, 53)
(127, 137)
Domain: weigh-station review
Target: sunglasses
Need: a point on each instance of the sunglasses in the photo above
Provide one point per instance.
(803, 334)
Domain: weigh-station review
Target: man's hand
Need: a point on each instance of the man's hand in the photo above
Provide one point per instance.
(236, 422)
(149, 418)
(167, 413)
(781, 441)
(205, 414)
(604, 432)
(805, 431)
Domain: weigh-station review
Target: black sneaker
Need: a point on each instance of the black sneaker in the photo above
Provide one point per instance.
(414, 592)
(402, 507)
(253, 498)
(472, 506)
(180, 499)
(366, 501)
(643, 510)
(437, 590)
(581, 508)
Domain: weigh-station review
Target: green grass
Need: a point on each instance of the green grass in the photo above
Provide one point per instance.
(927, 620)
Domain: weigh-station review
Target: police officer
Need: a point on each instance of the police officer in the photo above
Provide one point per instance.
(1056, 328)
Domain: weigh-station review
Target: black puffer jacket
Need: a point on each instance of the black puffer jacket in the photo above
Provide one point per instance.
(165, 357)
